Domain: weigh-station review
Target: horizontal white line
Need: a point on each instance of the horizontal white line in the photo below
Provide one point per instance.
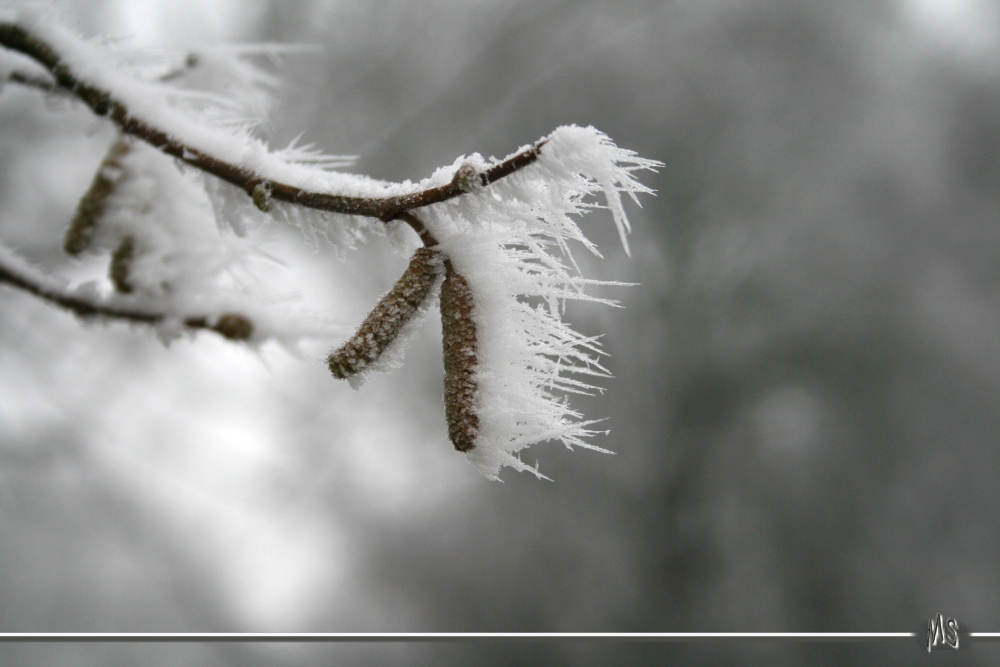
(455, 636)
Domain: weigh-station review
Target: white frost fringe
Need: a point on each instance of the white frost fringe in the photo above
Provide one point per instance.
(510, 241)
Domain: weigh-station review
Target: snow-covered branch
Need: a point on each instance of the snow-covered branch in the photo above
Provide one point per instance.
(86, 304)
(497, 237)
(256, 183)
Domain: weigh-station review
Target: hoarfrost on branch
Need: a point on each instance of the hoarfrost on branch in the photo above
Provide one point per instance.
(177, 202)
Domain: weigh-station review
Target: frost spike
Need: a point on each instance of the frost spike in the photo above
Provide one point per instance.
(89, 210)
(383, 324)
(459, 337)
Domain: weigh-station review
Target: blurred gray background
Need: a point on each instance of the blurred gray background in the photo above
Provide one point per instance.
(807, 377)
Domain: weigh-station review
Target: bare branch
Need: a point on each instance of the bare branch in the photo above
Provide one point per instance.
(102, 103)
(232, 326)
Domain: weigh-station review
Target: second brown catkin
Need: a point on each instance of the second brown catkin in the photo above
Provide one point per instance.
(89, 210)
(121, 265)
(386, 320)
(459, 337)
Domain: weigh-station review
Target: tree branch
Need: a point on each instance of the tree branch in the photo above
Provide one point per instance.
(232, 326)
(102, 103)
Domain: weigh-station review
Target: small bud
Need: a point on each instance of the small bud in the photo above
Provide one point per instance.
(384, 323)
(261, 195)
(102, 104)
(121, 261)
(465, 178)
(459, 338)
(234, 327)
(80, 233)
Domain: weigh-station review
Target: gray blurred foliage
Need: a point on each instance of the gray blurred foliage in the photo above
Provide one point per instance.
(807, 378)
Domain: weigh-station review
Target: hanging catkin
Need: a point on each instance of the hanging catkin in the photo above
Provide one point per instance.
(459, 334)
(121, 264)
(89, 210)
(386, 320)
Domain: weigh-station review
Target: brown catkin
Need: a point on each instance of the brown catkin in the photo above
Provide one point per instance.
(121, 264)
(387, 319)
(89, 210)
(459, 333)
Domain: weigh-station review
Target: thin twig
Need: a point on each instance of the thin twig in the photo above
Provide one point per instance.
(42, 83)
(231, 326)
(102, 103)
